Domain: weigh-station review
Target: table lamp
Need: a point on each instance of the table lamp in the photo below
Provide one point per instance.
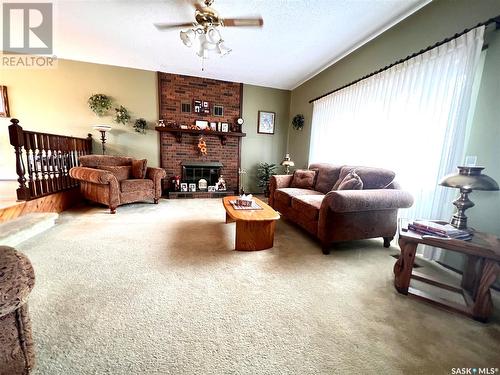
(103, 129)
(467, 179)
(287, 163)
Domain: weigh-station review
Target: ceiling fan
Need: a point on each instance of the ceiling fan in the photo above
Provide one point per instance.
(204, 30)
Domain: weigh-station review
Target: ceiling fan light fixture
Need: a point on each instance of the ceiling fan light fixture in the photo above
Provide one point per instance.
(203, 51)
(188, 37)
(222, 49)
(213, 35)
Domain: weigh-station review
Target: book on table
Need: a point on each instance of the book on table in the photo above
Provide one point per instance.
(431, 228)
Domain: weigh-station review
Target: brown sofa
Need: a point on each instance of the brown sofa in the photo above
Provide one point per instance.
(17, 279)
(340, 215)
(108, 180)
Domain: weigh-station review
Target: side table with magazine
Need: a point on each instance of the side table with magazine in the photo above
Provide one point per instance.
(481, 269)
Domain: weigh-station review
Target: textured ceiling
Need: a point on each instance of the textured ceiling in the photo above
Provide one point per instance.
(299, 38)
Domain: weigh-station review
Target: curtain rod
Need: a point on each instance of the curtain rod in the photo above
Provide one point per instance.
(486, 23)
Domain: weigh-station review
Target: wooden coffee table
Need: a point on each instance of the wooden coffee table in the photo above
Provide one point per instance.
(254, 228)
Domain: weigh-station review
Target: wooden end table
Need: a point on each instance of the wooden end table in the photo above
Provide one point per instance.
(481, 270)
(254, 228)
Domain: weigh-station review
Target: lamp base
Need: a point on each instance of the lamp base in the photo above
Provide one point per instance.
(459, 220)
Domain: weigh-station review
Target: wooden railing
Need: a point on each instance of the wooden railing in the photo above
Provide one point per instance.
(43, 160)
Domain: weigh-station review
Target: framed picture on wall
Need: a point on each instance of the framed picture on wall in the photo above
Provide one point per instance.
(197, 106)
(4, 102)
(266, 122)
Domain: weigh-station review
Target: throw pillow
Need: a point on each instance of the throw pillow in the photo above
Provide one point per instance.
(303, 179)
(351, 182)
(139, 168)
(373, 178)
(121, 172)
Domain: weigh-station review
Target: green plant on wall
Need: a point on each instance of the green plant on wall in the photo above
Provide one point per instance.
(140, 125)
(298, 122)
(121, 115)
(264, 173)
(99, 104)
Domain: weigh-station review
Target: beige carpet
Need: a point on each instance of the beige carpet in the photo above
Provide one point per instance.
(157, 289)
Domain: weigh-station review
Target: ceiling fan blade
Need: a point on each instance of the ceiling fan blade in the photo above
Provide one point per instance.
(197, 5)
(167, 26)
(243, 22)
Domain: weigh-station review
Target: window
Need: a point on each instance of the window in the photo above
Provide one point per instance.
(218, 110)
(411, 118)
(186, 107)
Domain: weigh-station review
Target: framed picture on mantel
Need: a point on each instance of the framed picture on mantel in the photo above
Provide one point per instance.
(266, 122)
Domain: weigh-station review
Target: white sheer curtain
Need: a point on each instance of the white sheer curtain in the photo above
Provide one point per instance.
(411, 119)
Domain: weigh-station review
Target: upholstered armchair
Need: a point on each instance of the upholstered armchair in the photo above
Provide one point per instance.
(117, 180)
(17, 279)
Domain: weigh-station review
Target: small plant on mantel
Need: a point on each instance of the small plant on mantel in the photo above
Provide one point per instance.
(121, 115)
(264, 173)
(100, 104)
(140, 125)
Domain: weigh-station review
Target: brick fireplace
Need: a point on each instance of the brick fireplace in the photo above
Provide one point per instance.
(179, 146)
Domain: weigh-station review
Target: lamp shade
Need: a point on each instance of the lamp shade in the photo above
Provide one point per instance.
(469, 178)
(102, 128)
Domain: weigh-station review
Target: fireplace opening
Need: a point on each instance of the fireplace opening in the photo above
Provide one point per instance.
(194, 171)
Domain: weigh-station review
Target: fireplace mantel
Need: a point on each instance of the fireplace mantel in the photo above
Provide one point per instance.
(179, 132)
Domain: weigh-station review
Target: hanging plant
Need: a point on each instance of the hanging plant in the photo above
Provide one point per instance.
(121, 115)
(99, 104)
(140, 125)
(298, 122)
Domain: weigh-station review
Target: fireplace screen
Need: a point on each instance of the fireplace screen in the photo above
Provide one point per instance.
(193, 172)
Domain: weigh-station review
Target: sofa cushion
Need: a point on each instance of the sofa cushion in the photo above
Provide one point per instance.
(139, 168)
(373, 178)
(303, 179)
(121, 172)
(308, 205)
(327, 175)
(136, 185)
(284, 195)
(351, 182)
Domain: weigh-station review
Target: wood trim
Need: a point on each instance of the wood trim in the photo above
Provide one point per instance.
(56, 202)
(158, 88)
(5, 99)
(241, 100)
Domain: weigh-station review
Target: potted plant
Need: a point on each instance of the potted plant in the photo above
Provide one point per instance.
(121, 115)
(298, 122)
(264, 173)
(140, 125)
(99, 104)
